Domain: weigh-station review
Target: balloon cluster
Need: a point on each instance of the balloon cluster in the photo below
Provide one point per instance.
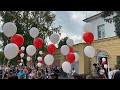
(71, 57)
(88, 38)
(104, 63)
(37, 43)
(11, 50)
(49, 59)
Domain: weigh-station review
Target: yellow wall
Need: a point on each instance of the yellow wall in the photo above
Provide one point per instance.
(110, 45)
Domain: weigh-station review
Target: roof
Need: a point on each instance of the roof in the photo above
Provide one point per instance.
(92, 17)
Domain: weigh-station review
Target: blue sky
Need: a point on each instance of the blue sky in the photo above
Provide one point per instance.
(72, 23)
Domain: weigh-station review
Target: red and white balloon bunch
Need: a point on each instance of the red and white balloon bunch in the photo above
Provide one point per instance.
(11, 50)
(88, 38)
(71, 57)
(49, 59)
(37, 43)
(104, 63)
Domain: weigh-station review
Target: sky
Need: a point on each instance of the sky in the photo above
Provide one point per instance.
(72, 23)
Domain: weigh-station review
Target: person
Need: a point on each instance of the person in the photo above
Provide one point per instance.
(21, 74)
(117, 75)
(46, 73)
(110, 73)
(26, 72)
(32, 74)
(56, 72)
(88, 76)
(39, 74)
(114, 71)
(73, 71)
(102, 73)
(12, 76)
(1, 72)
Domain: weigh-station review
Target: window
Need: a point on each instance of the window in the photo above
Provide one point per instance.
(118, 60)
(101, 31)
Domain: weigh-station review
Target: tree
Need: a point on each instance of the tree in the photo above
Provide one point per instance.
(62, 42)
(115, 19)
(24, 20)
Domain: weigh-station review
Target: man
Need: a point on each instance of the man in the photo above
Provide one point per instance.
(110, 74)
(56, 72)
(117, 75)
(21, 74)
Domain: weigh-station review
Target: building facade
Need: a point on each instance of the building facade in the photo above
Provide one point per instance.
(106, 45)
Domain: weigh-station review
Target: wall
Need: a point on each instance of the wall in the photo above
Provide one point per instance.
(111, 46)
(109, 27)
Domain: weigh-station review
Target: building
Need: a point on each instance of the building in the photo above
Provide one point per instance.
(106, 44)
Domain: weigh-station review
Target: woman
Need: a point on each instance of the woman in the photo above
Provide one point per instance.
(102, 73)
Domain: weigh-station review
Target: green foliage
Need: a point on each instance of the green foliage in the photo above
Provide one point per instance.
(1, 57)
(24, 20)
(115, 19)
(62, 42)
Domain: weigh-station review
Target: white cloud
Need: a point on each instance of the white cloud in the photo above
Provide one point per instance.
(72, 22)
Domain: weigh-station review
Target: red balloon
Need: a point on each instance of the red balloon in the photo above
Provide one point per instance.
(88, 37)
(42, 54)
(70, 57)
(17, 39)
(104, 63)
(38, 42)
(40, 61)
(71, 50)
(18, 61)
(51, 49)
(20, 51)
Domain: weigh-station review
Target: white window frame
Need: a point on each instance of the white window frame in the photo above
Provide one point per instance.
(101, 28)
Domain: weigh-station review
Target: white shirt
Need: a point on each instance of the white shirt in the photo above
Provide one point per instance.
(110, 74)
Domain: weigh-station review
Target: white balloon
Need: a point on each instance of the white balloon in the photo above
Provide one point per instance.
(70, 42)
(21, 60)
(103, 59)
(54, 38)
(31, 50)
(9, 29)
(66, 66)
(88, 27)
(20, 64)
(105, 66)
(40, 52)
(49, 59)
(77, 57)
(34, 32)
(39, 64)
(28, 58)
(65, 49)
(22, 48)
(22, 55)
(11, 50)
(89, 51)
(39, 58)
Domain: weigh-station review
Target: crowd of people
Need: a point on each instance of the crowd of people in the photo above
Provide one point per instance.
(103, 73)
(26, 72)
